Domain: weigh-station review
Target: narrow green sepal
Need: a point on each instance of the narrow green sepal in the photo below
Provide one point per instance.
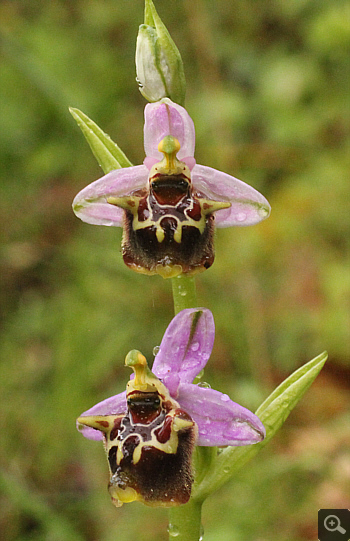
(273, 412)
(107, 153)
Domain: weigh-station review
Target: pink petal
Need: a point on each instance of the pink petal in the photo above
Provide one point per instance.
(91, 206)
(248, 206)
(220, 421)
(185, 348)
(168, 118)
(115, 405)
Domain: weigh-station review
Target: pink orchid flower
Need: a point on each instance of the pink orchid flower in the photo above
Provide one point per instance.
(168, 205)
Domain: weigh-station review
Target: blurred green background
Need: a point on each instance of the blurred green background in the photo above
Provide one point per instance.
(268, 89)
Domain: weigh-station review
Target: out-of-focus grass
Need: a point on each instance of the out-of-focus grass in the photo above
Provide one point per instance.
(268, 91)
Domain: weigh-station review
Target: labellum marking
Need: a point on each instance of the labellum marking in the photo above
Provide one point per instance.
(149, 447)
(168, 229)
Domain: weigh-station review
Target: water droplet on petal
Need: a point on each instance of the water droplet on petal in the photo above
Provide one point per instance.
(204, 384)
(163, 369)
(226, 470)
(241, 216)
(225, 397)
(156, 350)
(173, 530)
(195, 346)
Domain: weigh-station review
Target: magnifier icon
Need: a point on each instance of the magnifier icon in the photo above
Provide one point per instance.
(332, 524)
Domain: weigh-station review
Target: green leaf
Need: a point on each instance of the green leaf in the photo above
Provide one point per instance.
(107, 153)
(272, 412)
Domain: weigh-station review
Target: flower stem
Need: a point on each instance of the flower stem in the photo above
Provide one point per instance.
(184, 292)
(185, 522)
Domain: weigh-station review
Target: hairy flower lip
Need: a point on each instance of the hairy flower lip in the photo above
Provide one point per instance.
(184, 351)
(165, 118)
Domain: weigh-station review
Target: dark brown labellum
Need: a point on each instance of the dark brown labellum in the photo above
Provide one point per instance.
(149, 447)
(169, 233)
(151, 460)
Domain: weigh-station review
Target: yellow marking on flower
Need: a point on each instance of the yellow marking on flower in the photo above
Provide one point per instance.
(200, 224)
(144, 379)
(168, 271)
(170, 146)
(160, 234)
(119, 453)
(208, 206)
(178, 233)
(170, 164)
(127, 202)
(169, 447)
(122, 495)
(104, 423)
(180, 424)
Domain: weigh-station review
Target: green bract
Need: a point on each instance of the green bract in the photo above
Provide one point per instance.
(106, 152)
(273, 412)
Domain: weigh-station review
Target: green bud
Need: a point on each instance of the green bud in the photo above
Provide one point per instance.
(159, 67)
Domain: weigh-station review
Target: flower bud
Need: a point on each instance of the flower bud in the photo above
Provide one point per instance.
(159, 67)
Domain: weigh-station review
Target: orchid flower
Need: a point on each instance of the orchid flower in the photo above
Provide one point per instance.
(150, 430)
(166, 206)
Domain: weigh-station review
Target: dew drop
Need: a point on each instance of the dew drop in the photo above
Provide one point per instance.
(226, 470)
(163, 369)
(204, 384)
(195, 346)
(156, 350)
(183, 293)
(173, 530)
(201, 533)
(225, 398)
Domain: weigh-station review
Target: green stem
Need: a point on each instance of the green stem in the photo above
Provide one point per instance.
(184, 292)
(185, 522)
